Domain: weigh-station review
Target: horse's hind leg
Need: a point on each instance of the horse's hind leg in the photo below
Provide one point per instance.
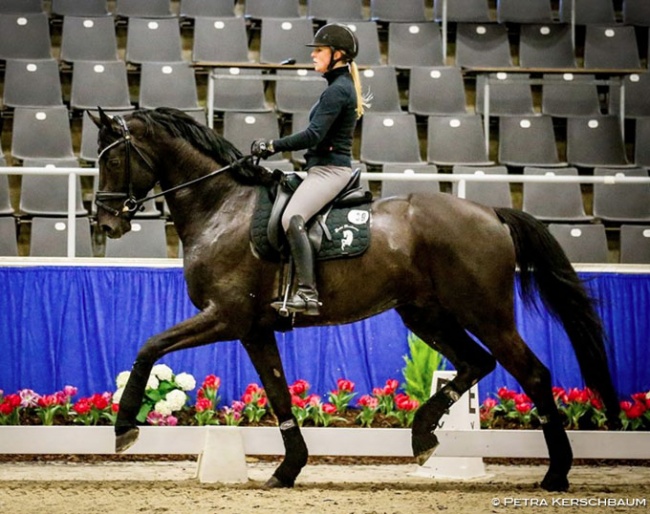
(262, 349)
(471, 361)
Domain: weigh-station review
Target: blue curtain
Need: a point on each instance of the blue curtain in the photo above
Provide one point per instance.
(83, 325)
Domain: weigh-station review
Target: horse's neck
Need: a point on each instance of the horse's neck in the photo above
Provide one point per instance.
(216, 203)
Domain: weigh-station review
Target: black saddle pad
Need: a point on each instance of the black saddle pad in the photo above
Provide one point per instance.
(347, 234)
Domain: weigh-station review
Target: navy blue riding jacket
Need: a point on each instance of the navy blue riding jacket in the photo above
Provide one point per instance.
(332, 121)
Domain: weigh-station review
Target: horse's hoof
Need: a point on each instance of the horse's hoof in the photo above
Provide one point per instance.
(555, 482)
(275, 483)
(423, 446)
(124, 441)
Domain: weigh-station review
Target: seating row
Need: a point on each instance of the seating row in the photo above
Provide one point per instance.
(507, 11)
(227, 40)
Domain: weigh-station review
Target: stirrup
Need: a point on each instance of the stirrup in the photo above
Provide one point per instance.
(305, 301)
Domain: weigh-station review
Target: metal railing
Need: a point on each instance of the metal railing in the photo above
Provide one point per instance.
(460, 178)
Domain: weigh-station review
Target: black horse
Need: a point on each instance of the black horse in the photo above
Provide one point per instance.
(445, 264)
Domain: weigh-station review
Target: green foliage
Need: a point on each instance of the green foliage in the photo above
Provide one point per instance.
(421, 362)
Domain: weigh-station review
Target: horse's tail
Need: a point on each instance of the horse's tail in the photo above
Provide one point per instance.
(544, 266)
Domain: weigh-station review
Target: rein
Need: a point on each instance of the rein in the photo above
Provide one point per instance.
(131, 203)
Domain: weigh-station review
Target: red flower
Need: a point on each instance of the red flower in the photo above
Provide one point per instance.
(82, 406)
(6, 408)
(48, 400)
(558, 392)
(343, 384)
(506, 394)
(203, 404)
(403, 402)
(579, 395)
(115, 407)
(625, 405)
(13, 400)
(328, 408)
(521, 398)
(253, 388)
(523, 408)
(635, 411)
(391, 386)
(298, 401)
(299, 387)
(99, 401)
(596, 403)
(211, 382)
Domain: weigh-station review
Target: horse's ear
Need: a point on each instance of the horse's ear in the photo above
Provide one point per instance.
(104, 120)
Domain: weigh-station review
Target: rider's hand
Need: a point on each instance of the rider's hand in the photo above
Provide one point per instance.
(262, 148)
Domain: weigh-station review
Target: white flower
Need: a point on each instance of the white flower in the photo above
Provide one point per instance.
(152, 383)
(163, 407)
(162, 372)
(122, 378)
(176, 399)
(185, 381)
(117, 395)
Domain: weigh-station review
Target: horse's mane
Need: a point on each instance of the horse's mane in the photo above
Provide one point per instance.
(205, 140)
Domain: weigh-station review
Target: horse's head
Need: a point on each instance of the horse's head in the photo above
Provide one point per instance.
(126, 171)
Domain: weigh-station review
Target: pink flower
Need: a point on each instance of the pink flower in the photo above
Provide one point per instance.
(298, 401)
(203, 404)
(313, 400)
(299, 387)
(368, 401)
(70, 391)
(391, 386)
(490, 403)
(211, 382)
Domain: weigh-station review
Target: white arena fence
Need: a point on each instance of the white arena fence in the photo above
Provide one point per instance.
(462, 180)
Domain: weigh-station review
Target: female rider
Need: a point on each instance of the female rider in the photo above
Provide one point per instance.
(328, 138)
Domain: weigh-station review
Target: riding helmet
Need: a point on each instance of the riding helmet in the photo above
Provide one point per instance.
(338, 37)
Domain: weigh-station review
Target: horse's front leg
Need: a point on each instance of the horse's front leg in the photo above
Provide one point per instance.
(204, 328)
(262, 349)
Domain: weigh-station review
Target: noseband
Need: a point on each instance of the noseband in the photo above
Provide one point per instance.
(131, 203)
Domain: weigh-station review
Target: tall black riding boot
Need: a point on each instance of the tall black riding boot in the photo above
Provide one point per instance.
(305, 300)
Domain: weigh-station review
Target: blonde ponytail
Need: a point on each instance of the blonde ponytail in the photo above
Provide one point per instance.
(363, 101)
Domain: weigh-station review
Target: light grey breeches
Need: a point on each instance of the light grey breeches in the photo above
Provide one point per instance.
(321, 185)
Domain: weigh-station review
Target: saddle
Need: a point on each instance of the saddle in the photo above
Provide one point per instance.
(340, 229)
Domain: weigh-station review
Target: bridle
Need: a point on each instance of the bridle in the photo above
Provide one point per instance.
(131, 203)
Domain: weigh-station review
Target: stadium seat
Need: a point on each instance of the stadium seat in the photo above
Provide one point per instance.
(49, 237)
(457, 140)
(298, 90)
(636, 12)
(473, 11)
(80, 8)
(524, 11)
(492, 194)
(482, 45)
(286, 38)
(220, 40)
(554, 201)
(242, 128)
(634, 244)
(100, 84)
(637, 96)
(588, 12)
(402, 188)
(641, 146)
(414, 44)
(570, 95)
(381, 82)
(611, 47)
(147, 239)
(21, 6)
(32, 83)
(510, 94)
(8, 237)
(389, 138)
(47, 195)
(547, 45)
(528, 141)
(25, 36)
(261, 9)
(143, 8)
(342, 10)
(582, 242)
(597, 141)
(246, 92)
(194, 9)
(168, 85)
(153, 40)
(436, 90)
(5, 195)
(622, 203)
(88, 39)
(404, 10)
(42, 133)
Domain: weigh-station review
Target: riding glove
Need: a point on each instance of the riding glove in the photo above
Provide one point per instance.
(262, 148)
